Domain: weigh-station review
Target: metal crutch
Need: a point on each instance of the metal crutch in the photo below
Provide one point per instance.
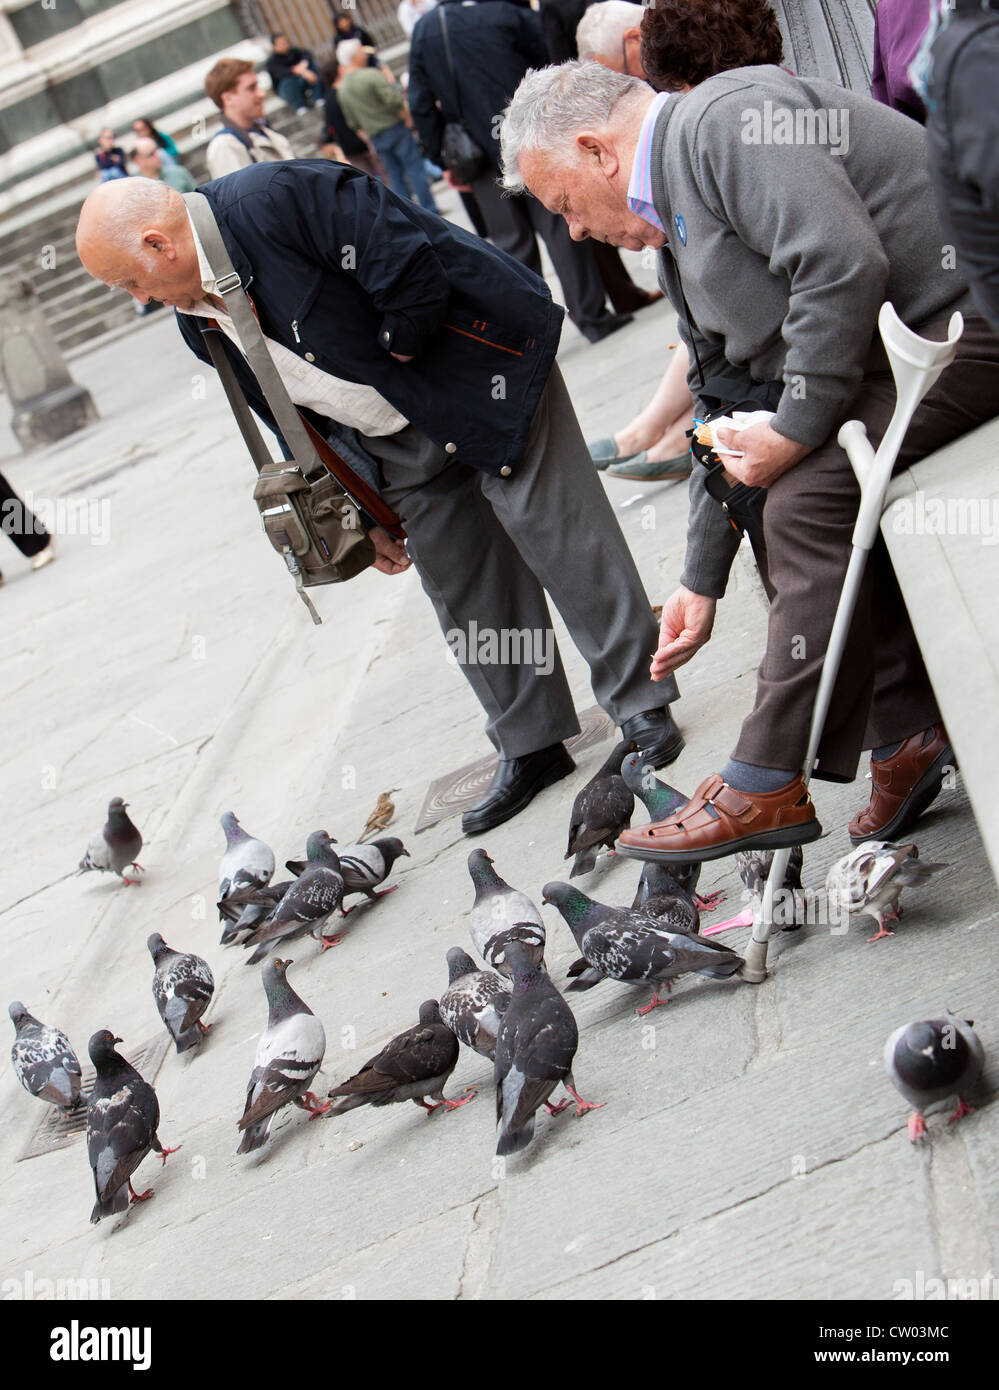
(916, 363)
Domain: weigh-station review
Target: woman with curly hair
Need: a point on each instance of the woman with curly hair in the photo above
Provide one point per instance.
(685, 41)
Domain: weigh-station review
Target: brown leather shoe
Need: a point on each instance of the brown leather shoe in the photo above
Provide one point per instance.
(718, 821)
(903, 785)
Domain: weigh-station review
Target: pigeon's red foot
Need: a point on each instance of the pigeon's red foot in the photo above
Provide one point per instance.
(130, 882)
(205, 1027)
(385, 891)
(557, 1109)
(140, 1196)
(962, 1109)
(582, 1104)
(418, 1100)
(456, 1104)
(881, 931)
(654, 1002)
(313, 1104)
(743, 919)
(917, 1126)
(165, 1153)
(135, 865)
(707, 902)
(328, 941)
(894, 914)
(346, 911)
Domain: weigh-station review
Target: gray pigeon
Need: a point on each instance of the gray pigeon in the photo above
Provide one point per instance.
(244, 909)
(474, 1002)
(660, 897)
(362, 867)
(501, 914)
(535, 1048)
(870, 880)
(932, 1060)
(182, 987)
(246, 864)
(415, 1064)
(44, 1061)
(661, 800)
(289, 1055)
(307, 904)
(622, 944)
(122, 1119)
(116, 846)
(601, 810)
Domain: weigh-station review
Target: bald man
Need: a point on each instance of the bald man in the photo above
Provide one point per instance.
(427, 357)
(149, 164)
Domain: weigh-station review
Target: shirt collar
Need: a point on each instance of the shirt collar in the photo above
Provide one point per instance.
(640, 186)
(209, 284)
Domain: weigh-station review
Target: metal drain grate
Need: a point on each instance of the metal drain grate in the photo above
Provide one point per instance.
(456, 791)
(57, 1129)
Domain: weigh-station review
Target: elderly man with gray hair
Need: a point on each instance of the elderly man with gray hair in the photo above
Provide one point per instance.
(784, 214)
(611, 33)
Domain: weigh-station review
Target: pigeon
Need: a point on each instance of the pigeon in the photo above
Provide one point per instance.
(307, 904)
(601, 810)
(870, 880)
(630, 946)
(381, 816)
(535, 1048)
(501, 914)
(289, 1055)
(122, 1119)
(790, 902)
(115, 847)
(931, 1060)
(474, 1002)
(415, 1064)
(661, 800)
(660, 897)
(244, 909)
(362, 866)
(44, 1061)
(247, 863)
(182, 987)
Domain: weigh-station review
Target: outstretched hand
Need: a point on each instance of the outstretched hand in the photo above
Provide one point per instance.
(390, 554)
(686, 625)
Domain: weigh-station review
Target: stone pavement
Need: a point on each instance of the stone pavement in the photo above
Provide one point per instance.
(751, 1145)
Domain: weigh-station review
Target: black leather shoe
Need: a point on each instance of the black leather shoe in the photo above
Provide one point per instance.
(599, 329)
(516, 784)
(655, 734)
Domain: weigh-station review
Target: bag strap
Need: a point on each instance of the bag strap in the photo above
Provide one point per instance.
(450, 63)
(309, 449)
(245, 418)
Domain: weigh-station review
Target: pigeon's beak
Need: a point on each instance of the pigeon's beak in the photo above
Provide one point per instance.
(117, 1040)
(407, 854)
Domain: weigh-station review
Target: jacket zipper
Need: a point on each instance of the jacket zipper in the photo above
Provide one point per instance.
(294, 329)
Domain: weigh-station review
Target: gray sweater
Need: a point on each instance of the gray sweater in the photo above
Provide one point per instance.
(793, 211)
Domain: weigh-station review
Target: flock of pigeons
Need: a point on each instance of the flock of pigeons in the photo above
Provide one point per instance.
(510, 1011)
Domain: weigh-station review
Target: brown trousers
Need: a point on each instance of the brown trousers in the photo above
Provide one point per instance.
(883, 693)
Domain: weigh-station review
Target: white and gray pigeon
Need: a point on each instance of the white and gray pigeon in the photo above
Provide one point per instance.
(289, 1055)
(501, 914)
(308, 903)
(363, 867)
(44, 1061)
(182, 987)
(474, 1002)
(932, 1060)
(870, 879)
(116, 847)
(123, 1117)
(413, 1065)
(535, 1049)
(601, 811)
(621, 944)
(246, 863)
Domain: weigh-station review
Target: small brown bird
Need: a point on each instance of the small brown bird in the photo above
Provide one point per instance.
(381, 816)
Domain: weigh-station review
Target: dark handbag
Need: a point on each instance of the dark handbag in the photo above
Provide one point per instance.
(743, 505)
(460, 154)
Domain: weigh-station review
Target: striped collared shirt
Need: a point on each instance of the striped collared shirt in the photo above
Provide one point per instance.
(640, 186)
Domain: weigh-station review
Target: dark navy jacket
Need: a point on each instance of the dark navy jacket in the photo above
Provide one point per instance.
(344, 272)
(492, 44)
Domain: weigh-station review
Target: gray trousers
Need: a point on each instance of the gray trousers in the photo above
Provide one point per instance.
(486, 549)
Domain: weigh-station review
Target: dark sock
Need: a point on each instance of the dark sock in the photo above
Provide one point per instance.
(889, 750)
(746, 777)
